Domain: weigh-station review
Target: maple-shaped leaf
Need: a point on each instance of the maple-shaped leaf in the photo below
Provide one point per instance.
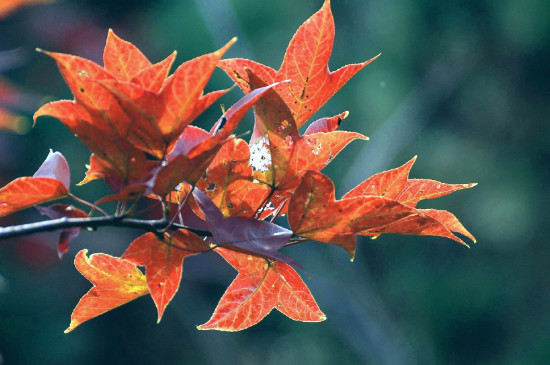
(305, 64)
(51, 181)
(260, 286)
(228, 181)
(67, 234)
(159, 118)
(127, 63)
(116, 282)
(314, 213)
(107, 117)
(395, 184)
(247, 235)
(163, 261)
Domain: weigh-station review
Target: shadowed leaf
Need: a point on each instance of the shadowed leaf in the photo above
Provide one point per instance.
(67, 234)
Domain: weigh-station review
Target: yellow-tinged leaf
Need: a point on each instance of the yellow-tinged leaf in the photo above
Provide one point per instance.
(116, 282)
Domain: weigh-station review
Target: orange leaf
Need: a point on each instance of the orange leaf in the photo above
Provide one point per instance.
(314, 213)
(305, 64)
(183, 93)
(195, 148)
(113, 156)
(51, 181)
(116, 282)
(153, 77)
(308, 152)
(259, 287)
(159, 118)
(388, 184)
(396, 185)
(122, 59)
(428, 222)
(229, 184)
(163, 261)
(419, 189)
(24, 192)
(449, 220)
(240, 70)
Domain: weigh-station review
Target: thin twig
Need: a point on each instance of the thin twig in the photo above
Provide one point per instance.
(91, 223)
(93, 206)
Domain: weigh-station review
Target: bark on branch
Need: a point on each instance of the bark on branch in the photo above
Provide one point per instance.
(92, 223)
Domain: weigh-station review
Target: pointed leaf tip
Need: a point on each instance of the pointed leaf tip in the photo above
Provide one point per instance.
(56, 167)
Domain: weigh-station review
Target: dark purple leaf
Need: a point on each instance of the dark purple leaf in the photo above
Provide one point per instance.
(248, 235)
(60, 211)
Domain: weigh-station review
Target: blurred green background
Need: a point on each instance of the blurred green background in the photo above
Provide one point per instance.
(462, 84)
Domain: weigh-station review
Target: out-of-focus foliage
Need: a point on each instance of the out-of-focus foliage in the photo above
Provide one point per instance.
(462, 84)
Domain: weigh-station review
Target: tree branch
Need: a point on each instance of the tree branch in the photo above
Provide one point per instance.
(92, 223)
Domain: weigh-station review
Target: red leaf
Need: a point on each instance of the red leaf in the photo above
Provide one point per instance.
(183, 94)
(195, 148)
(67, 234)
(305, 64)
(396, 185)
(116, 282)
(388, 184)
(81, 76)
(163, 261)
(449, 220)
(113, 155)
(153, 77)
(259, 287)
(228, 181)
(240, 70)
(51, 181)
(420, 189)
(314, 213)
(309, 152)
(122, 59)
(24, 192)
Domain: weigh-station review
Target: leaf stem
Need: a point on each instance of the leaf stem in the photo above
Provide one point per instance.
(87, 203)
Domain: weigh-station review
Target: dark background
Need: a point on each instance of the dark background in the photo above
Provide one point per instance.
(462, 84)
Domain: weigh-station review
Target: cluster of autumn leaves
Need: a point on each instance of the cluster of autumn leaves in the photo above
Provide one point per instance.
(135, 119)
